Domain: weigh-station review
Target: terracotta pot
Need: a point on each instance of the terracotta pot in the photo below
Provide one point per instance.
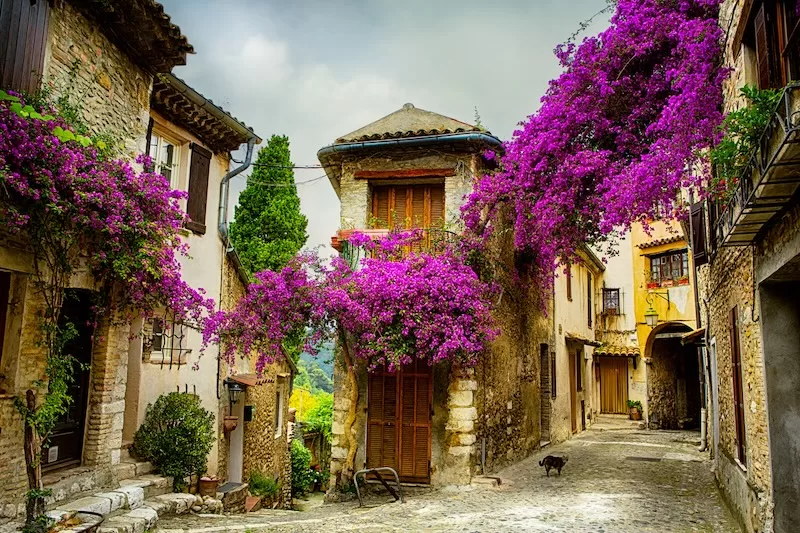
(635, 414)
(208, 486)
(230, 423)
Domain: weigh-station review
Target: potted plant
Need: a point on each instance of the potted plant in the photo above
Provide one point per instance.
(635, 409)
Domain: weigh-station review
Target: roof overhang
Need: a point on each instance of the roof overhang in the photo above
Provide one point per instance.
(184, 106)
(575, 337)
(697, 336)
(611, 350)
(141, 29)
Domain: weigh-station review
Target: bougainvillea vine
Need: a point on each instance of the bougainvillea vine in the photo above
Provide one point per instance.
(617, 135)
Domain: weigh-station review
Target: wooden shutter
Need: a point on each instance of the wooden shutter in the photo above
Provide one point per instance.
(23, 39)
(415, 432)
(738, 392)
(762, 49)
(589, 311)
(568, 273)
(5, 290)
(382, 420)
(436, 207)
(198, 189)
(380, 207)
(698, 222)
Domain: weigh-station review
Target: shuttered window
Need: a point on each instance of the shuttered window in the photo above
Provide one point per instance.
(762, 48)
(553, 374)
(408, 206)
(23, 40)
(698, 222)
(590, 310)
(5, 291)
(738, 390)
(399, 421)
(198, 189)
(568, 273)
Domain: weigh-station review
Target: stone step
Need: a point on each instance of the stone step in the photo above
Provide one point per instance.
(134, 506)
(130, 468)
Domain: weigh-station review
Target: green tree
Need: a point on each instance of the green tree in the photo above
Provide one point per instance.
(268, 228)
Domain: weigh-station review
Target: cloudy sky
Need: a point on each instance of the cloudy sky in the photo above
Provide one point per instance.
(317, 69)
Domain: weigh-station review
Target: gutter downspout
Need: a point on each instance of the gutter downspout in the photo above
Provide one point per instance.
(222, 226)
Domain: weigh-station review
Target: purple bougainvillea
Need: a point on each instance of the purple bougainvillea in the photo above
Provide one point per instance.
(617, 135)
(121, 222)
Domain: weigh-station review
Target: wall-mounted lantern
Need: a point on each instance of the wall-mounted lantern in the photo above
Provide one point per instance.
(235, 390)
(651, 315)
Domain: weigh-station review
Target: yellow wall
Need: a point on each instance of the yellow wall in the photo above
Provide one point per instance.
(681, 306)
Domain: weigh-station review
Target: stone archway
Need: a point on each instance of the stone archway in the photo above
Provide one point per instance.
(673, 379)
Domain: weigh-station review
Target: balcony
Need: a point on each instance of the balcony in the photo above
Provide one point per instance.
(770, 180)
(433, 241)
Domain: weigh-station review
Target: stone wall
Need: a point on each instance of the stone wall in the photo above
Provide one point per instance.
(113, 92)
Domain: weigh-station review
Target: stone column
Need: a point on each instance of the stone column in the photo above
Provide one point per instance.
(460, 428)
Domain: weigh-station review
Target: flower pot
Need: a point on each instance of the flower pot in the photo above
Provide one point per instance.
(230, 423)
(635, 414)
(208, 486)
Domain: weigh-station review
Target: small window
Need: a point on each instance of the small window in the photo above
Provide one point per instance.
(278, 412)
(611, 302)
(590, 309)
(167, 342)
(568, 273)
(579, 370)
(553, 374)
(669, 269)
(165, 155)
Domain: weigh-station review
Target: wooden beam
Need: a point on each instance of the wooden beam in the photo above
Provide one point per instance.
(406, 173)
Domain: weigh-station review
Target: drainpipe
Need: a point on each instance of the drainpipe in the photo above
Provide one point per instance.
(222, 226)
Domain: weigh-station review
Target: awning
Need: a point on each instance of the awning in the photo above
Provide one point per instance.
(251, 380)
(583, 340)
(613, 350)
(697, 336)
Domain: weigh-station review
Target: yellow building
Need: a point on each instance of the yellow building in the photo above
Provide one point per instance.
(665, 312)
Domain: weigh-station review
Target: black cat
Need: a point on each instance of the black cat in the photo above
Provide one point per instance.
(552, 461)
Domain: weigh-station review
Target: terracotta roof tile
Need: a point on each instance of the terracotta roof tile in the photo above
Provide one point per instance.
(659, 242)
(617, 350)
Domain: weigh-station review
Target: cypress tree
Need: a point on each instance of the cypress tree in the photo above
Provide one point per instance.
(268, 228)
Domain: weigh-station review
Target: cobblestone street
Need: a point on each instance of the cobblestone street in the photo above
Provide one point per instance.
(619, 480)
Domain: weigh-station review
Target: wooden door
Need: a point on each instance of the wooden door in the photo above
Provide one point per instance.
(573, 391)
(65, 446)
(613, 385)
(408, 206)
(399, 421)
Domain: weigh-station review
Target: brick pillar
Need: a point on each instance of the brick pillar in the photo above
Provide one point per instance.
(460, 428)
(106, 413)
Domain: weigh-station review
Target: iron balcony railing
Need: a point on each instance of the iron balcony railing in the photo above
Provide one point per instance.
(433, 241)
(770, 180)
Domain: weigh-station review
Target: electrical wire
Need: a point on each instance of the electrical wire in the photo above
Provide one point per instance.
(285, 185)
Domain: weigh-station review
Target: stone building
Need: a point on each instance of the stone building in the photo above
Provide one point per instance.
(435, 425)
(567, 374)
(109, 56)
(747, 249)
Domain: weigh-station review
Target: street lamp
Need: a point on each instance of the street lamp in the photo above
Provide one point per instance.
(234, 390)
(651, 317)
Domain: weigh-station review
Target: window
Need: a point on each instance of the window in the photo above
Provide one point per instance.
(579, 370)
(772, 33)
(167, 342)
(738, 390)
(611, 302)
(669, 269)
(165, 158)
(568, 272)
(278, 411)
(590, 311)
(553, 374)
(408, 206)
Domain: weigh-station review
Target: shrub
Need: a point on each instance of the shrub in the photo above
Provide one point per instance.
(176, 436)
(635, 404)
(263, 485)
(319, 419)
(302, 476)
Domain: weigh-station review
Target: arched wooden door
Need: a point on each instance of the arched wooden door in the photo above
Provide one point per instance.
(399, 421)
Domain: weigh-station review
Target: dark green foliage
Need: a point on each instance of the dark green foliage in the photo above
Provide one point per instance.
(313, 378)
(319, 418)
(269, 229)
(176, 436)
(263, 485)
(635, 404)
(302, 475)
(742, 129)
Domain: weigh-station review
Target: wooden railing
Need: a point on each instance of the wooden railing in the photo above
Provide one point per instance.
(433, 241)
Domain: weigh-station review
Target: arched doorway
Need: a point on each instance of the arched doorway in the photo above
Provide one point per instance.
(673, 379)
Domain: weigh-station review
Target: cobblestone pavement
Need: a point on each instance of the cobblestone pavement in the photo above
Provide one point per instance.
(614, 481)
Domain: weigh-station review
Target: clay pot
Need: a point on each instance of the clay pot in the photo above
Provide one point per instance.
(208, 486)
(635, 414)
(230, 423)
